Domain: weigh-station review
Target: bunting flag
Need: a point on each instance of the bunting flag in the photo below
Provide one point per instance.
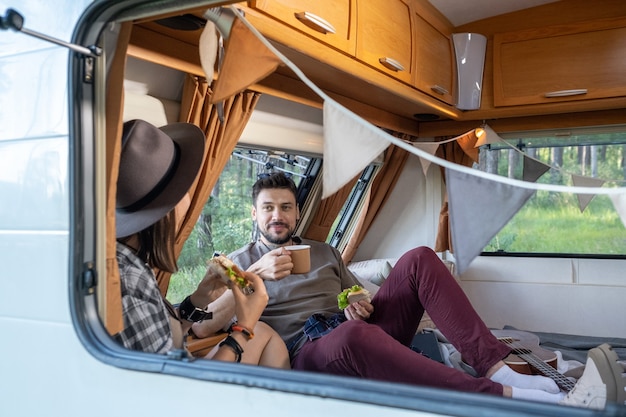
(429, 148)
(619, 202)
(246, 61)
(533, 169)
(467, 142)
(580, 181)
(349, 146)
(208, 49)
(488, 137)
(479, 208)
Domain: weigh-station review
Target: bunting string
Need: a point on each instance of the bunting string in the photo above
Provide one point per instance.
(382, 135)
(552, 167)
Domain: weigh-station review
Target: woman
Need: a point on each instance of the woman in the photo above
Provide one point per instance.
(157, 168)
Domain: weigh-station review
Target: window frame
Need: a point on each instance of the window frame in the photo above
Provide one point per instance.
(523, 140)
(87, 134)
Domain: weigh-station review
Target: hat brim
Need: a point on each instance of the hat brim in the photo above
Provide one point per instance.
(191, 141)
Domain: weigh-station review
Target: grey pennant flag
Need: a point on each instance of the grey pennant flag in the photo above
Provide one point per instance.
(479, 208)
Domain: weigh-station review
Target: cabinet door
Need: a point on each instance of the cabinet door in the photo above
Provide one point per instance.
(434, 73)
(325, 20)
(383, 38)
(560, 63)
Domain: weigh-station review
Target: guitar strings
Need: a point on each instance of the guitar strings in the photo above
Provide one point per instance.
(539, 364)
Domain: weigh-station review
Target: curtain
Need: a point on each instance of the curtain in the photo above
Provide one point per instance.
(327, 212)
(463, 152)
(111, 301)
(385, 181)
(221, 140)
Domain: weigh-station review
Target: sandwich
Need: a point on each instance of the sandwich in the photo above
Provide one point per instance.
(230, 273)
(351, 295)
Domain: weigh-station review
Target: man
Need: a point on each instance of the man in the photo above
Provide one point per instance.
(371, 339)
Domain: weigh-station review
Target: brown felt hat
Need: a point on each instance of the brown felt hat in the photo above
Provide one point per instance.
(157, 168)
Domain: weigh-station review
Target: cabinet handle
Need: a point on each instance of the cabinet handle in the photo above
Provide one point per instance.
(315, 22)
(566, 93)
(391, 64)
(439, 89)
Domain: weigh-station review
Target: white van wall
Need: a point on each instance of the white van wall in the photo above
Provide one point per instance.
(45, 369)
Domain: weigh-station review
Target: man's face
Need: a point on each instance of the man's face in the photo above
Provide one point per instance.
(276, 214)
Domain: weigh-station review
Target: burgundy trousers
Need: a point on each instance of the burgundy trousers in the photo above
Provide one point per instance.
(379, 347)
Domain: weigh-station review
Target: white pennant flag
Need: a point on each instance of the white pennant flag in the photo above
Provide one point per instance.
(619, 202)
(478, 209)
(430, 148)
(350, 144)
(580, 181)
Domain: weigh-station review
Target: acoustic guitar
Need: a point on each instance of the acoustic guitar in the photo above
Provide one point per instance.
(529, 358)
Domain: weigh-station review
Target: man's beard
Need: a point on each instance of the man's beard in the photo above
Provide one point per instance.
(276, 240)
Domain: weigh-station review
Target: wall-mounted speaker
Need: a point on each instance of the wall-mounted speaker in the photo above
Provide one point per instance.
(469, 50)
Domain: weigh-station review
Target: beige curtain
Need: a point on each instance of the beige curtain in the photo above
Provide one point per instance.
(385, 181)
(463, 152)
(221, 140)
(112, 308)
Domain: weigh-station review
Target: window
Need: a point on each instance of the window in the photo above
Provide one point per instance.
(558, 223)
(225, 223)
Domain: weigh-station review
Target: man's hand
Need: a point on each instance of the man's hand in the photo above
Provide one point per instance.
(361, 310)
(274, 265)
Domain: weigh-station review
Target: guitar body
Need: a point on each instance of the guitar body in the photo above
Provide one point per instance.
(528, 357)
(524, 343)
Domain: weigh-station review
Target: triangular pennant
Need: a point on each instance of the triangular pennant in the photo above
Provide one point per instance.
(467, 142)
(488, 136)
(208, 50)
(580, 181)
(619, 202)
(429, 148)
(533, 169)
(479, 208)
(246, 61)
(350, 144)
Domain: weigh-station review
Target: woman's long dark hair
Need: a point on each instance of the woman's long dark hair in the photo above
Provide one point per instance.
(156, 244)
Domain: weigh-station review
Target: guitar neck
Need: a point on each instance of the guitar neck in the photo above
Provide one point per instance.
(538, 364)
(561, 380)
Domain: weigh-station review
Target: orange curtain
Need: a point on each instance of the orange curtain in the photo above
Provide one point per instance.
(463, 152)
(221, 140)
(112, 305)
(385, 181)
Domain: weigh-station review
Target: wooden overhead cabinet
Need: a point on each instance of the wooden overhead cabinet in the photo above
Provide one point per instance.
(325, 20)
(581, 61)
(434, 61)
(384, 38)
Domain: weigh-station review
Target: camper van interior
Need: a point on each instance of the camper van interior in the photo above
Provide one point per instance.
(531, 92)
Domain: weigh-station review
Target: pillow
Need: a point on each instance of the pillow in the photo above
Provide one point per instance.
(374, 271)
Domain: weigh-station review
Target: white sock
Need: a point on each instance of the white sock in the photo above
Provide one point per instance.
(507, 376)
(536, 395)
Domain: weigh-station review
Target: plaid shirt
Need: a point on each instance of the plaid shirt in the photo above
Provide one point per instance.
(146, 319)
(315, 327)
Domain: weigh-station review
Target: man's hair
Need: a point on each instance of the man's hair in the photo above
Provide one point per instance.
(273, 180)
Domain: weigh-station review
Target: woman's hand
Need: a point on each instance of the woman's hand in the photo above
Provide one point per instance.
(274, 265)
(249, 308)
(209, 289)
(361, 310)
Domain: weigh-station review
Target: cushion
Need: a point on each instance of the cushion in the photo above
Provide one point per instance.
(372, 273)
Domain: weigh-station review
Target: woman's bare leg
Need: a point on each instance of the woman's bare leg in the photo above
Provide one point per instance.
(265, 349)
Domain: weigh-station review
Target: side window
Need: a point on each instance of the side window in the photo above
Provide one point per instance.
(225, 223)
(547, 222)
